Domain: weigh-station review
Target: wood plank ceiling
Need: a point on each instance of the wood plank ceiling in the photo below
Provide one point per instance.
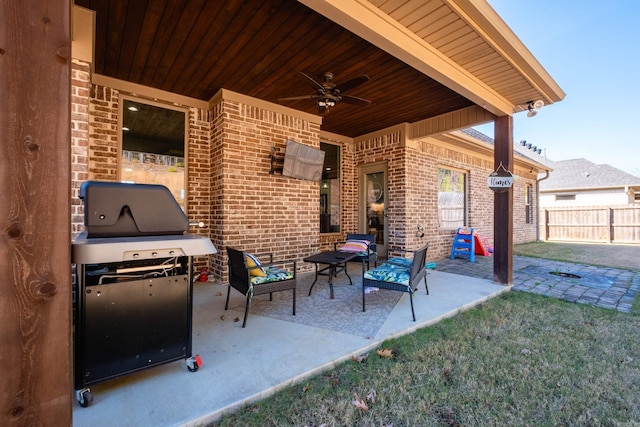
(196, 47)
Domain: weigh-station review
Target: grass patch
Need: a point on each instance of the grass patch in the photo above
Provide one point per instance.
(519, 359)
(604, 255)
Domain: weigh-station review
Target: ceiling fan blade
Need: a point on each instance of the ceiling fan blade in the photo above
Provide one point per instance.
(314, 84)
(353, 83)
(348, 99)
(296, 98)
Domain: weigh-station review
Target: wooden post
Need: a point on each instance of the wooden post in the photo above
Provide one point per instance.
(503, 204)
(611, 234)
(546, 225)
(35, 238)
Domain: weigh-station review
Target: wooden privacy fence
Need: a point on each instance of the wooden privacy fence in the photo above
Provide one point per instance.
(610, 224)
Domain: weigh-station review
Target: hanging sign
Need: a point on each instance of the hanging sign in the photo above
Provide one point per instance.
(500, 180)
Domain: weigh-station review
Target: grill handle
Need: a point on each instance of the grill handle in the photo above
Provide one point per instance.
(197, 224)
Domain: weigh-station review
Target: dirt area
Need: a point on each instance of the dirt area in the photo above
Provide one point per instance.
(608, 255)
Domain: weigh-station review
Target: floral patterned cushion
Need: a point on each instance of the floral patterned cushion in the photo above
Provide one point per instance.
(273, 274)
(405, 262)
(390, 273)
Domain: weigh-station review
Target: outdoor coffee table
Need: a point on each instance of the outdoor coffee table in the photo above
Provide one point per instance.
(335, 262)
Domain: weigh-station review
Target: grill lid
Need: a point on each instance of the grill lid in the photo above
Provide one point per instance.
(116, 209)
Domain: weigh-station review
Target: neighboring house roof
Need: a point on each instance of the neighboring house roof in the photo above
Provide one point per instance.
(578, 174)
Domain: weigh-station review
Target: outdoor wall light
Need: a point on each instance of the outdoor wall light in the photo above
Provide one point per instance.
(532, 112)
(533, 107)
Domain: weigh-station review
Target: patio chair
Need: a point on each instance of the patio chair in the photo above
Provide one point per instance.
(363, 244)
(398, 274)
(249, 276)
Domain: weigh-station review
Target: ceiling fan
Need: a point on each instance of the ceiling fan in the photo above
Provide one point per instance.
(328, 94)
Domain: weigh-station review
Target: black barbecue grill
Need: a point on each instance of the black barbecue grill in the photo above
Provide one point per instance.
(134, 269)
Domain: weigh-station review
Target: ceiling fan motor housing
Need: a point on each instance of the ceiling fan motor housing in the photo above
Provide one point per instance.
(328, 94)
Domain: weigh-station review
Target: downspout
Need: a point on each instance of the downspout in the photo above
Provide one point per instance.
(546, 171)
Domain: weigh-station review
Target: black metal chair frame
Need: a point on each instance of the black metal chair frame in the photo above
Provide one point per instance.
(240, 279)
(372, 254)
(418, 272)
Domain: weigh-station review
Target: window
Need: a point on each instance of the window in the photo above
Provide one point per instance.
(565, 197)
(528, 205)
(452, 198)
(153, 145)
(330, 189)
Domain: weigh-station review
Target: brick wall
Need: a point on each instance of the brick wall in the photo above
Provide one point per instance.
(390, 148)
(229, 186)
(258, 211)
(479, 196)
(80, 87)
(103, 133)
(412, 187)
(214, 204)
(230, 189)
(199, 182)
(523, 232)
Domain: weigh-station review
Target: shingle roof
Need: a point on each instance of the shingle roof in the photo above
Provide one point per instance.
(477, 135)
(581, 173)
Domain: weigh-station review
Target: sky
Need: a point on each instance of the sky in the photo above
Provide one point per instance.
(591, 48)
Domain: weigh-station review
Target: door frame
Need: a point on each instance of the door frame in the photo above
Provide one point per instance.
(363, 171)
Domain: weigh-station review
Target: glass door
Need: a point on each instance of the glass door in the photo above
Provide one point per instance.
(373, 217)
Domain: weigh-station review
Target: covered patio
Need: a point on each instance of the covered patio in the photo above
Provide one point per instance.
(250, 74)
(275, 350)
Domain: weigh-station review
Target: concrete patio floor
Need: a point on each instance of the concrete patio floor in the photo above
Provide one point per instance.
(243, 365)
